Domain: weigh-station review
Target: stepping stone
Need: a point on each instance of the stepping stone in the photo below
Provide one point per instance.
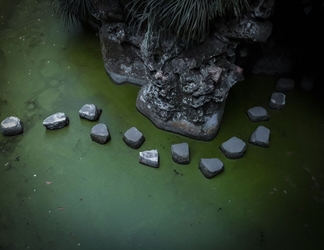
(149, 158)
(210, 167)
(285, 84)
(260, 136)
(133, 138)
(11, 126)
(90, 112)
(56, 121)
(180, 153)
(258, 114)
(306, 84)
(233, 148)
(277, 100)
(99, 133)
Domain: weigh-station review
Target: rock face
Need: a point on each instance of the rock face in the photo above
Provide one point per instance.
(180, 153)
(260, 136)
(99, 133)
(90, 112)
(258, 114)
(11, 126)
(277, 100)
(56, 121)
(149, 158)
(133, 138)
(210, 167)
(233, 148)
(183, 90)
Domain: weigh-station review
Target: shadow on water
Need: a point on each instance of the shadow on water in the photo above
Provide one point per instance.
(60, 190)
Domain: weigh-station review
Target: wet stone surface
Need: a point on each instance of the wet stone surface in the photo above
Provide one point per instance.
(90, 112)
(233, 148)
(285, 84)
(260, 136)
(149, 158)
(99, 133)
(180, 153)
(277, 100)
(258, 114)
(56, 121)
(133, 138)
(11, 126)
(210, 167)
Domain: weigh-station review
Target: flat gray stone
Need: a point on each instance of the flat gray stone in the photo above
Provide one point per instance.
(277, 100)
(306, 84)
(233, 148)
(180, 153)
(56, 121)
(149, 158)
(133, 138)
(11, 126)
(285, 84)
(258, 114)
(260, 136)
(90, 112)
(210, 167)
(99, 133)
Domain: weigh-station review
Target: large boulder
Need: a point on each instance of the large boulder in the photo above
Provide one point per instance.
(56, 121)
(11, 126)
(184, 90)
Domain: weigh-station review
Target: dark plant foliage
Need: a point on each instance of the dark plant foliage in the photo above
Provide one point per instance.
(73, 11)
(188, 20)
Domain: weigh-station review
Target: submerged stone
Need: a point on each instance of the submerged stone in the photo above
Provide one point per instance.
(258, 114)
(285, 84)
(260, 136)
(233, 148)
(56, 121)
(11, 126)
(180, 153)
(210, 167)
(277, 100)
(133, 138)
(99, 133)
(149, 158)
(90, 112)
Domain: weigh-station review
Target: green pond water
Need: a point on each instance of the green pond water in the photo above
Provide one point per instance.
(102, 198)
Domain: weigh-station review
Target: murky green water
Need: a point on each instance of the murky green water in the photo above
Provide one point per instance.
(272, 198)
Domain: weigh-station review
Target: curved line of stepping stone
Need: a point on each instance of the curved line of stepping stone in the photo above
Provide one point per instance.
(233, 148)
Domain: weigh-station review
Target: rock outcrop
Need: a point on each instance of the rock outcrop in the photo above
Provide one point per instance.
(183, 89)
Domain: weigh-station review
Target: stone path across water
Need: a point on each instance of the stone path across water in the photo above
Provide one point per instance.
(233, 148)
